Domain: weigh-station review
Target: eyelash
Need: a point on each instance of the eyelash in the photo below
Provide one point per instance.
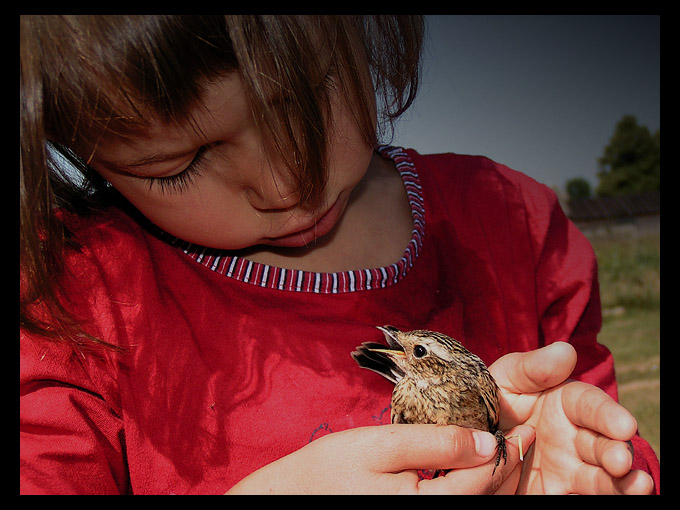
(179, 182)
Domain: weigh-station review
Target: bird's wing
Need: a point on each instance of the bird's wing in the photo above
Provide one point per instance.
(489, 396)
(377, 361)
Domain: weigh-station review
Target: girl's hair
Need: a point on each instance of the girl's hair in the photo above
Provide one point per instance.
(88, 77)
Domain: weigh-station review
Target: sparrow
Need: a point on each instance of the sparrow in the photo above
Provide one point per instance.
(437, 380)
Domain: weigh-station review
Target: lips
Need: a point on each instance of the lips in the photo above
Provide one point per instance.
(321, 226)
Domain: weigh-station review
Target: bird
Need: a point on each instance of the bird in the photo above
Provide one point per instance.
(437, 380)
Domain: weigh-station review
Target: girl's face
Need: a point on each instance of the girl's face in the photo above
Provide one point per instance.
(210, 182)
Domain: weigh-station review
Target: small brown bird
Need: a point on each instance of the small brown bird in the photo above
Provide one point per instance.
(437, 380)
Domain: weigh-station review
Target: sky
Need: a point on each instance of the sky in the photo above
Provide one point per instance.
(540, 94)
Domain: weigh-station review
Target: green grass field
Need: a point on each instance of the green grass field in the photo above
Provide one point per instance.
(629, 273)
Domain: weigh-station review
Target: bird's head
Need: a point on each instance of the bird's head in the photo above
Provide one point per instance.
(422, 353)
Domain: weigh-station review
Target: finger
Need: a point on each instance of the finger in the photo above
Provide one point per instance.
(636, 483)
(404, 447)
(482, 479)
(509, 485)
(594, 480)
(588, 406)
(534, 371)
(614, 456)
(512, 478)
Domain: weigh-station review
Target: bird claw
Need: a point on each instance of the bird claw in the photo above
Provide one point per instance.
(501, 449)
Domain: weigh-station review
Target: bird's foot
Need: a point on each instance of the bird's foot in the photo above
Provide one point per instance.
(501, 449)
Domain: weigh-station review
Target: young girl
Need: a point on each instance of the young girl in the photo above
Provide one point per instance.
(188, 310)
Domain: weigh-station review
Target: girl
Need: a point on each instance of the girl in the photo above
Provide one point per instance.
(188, 310)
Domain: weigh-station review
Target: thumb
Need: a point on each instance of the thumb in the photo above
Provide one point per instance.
(417, 446)
(534, 371)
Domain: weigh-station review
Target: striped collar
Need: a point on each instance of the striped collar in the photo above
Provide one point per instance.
(295, 280)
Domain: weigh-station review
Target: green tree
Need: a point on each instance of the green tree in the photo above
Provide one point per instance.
(578, 188)
(631, 161)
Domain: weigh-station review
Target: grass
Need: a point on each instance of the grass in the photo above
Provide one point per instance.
(630, 281)
(629, 271)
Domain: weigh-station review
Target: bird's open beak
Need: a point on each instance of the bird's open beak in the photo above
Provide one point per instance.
(390, 352)
(390, 333)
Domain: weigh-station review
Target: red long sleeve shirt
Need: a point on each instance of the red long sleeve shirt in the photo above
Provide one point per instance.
(230, 365)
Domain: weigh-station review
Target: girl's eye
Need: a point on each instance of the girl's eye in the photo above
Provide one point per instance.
(179, 182)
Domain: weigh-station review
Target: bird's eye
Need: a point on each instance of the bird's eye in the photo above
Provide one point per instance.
(419, 351)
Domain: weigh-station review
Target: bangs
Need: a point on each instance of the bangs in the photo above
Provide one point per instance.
(104, 75)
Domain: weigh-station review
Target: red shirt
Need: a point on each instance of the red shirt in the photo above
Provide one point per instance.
(232, 364)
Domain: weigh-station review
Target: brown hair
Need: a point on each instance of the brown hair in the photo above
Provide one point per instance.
(86, 77)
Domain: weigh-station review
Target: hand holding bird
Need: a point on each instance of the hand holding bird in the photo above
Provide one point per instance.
(533, 396)
(577, 450)
(581, 432)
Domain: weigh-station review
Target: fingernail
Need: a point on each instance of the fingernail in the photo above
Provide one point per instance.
(485, 443)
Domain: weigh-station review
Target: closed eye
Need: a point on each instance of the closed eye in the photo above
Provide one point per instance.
(180, 182)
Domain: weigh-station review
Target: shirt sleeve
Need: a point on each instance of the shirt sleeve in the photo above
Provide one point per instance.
(569, 302)
(71, 440)
(568, 295)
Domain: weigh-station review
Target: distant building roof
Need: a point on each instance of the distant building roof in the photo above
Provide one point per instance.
(624, 206)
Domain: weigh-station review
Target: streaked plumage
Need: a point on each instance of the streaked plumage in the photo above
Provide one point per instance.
(437, 380)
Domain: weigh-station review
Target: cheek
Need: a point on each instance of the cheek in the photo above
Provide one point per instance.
(205, 214)
(227, 232)
(349, 156)
(348, 173)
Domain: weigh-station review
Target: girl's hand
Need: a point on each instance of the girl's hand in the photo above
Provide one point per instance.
(385, 459)
(581, 433)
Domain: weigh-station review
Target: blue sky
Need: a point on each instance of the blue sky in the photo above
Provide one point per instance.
(541, 94)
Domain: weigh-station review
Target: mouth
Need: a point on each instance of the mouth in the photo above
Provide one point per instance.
(396, 350)
(319, 228)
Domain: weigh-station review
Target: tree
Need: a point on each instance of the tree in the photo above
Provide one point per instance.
(578, 188)
(631, 161)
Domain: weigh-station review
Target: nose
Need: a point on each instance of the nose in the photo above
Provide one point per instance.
(273, 190)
